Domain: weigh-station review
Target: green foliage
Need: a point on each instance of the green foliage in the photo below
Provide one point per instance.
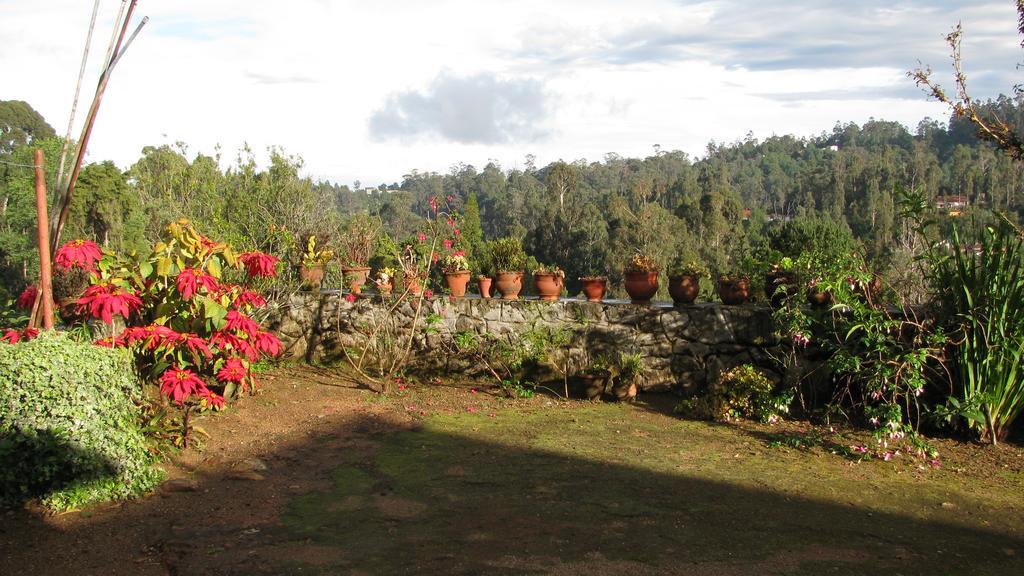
(744, 392)
(981, 291)
(68, 430)
(507, 254)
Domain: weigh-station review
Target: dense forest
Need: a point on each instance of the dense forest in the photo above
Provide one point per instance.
(587, 217)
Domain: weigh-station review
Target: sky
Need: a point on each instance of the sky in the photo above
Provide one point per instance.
(370, 91)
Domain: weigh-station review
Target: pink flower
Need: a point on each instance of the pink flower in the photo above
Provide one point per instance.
(105, 300)
(422, 237)
(456, 232)
(258, 264)
(81, 253)
(350, 297)
(451, 198)
(427, 294)
(447, 244)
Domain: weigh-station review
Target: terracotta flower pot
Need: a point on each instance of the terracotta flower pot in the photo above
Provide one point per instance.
(818, 298)
(549, 286)
(590, 385)
(311, 276)
(457, 282)
(779, 285)
(684, 289)
(509, 284)
(355, 277)
(594, 287)
(641, 286)
(485, 286)
(413, 285)
(385, 288)
(733, 291)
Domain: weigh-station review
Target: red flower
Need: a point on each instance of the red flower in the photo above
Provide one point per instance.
(259, 264)
(196, 345)
(233, 371)
(456, 232)
(13, 336)
(179, 384)
(28, 297)
(242, 323)
(105, 300)
(227, 341)
(268, 344)
(81, 253)
(350, 297)
(250, 298)
(428, 294)
(189, 282)
(211, 399)
(447, 244)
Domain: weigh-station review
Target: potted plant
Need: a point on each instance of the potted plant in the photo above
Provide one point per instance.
(631, 368)
(414, 268)
(456, 272)
(311, 269)
(641, 278)
(780, 281)
(684, 280)
(508, 259)
(595, 286)
(356, 246)
(484, 262)
(733, 289)
(591, 381)
(385, 280)
(549, 281)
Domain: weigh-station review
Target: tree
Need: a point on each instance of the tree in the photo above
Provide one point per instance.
(20, 124)
(991, 125)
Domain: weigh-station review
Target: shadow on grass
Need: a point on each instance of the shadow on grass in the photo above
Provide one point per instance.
(432, 500)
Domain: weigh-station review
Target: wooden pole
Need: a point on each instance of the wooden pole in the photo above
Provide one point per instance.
(45, 272)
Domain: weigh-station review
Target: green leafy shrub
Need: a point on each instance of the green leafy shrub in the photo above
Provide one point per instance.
(68, 430)
(745, 392)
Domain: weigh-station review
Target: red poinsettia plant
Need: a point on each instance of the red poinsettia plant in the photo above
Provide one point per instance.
(189, 326)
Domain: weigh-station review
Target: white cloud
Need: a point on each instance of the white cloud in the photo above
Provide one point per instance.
(599, 76)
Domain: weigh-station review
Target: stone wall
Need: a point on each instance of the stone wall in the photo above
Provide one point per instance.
(684, 348)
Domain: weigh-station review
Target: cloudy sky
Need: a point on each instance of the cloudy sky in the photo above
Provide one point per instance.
(369, 91)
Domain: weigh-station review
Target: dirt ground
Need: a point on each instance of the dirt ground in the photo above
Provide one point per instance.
(315, 476)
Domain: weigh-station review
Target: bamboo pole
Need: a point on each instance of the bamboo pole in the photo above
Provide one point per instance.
(45, 272)
(87, 130)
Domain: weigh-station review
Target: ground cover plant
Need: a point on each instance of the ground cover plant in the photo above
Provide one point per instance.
(69, 430)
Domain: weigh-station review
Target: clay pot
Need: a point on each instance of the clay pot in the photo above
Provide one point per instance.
(485, 286)
(589, 386)
(594, 287)
(641, 286)
(684, 289)
(355, 277)
(311, 276)
(549, 286)
(733, 291)
(779, 285)
(413, 285)
(385, 288)
(624, 391)
(457, 282)
(509, 284)
(818, 298)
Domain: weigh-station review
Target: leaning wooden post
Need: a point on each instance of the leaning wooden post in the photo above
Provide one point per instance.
(45, 272)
